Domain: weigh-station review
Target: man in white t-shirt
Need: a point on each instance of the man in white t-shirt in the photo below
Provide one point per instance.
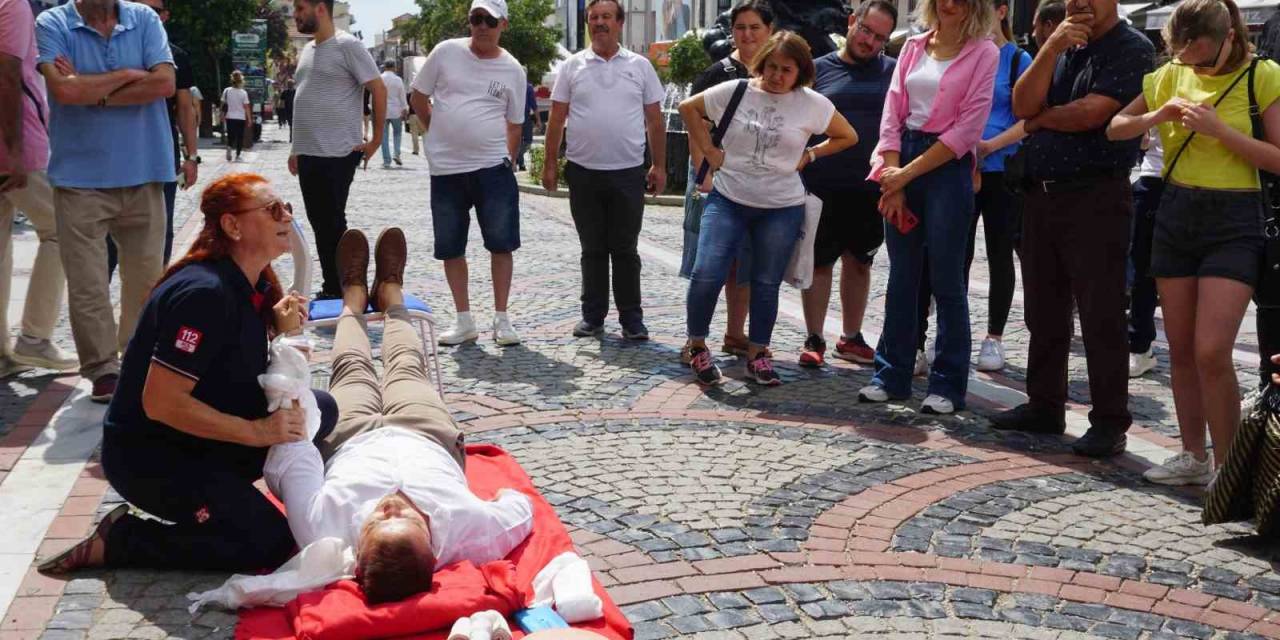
(611, 98)
(397, 111)
(470, 97)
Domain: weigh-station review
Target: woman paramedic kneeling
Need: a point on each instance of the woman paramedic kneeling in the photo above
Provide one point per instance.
(187, 432)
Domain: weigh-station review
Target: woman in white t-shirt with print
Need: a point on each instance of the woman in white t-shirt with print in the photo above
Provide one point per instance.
(235, 112)
(757, 195)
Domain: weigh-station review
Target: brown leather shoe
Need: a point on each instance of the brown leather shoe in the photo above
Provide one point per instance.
(353, 260)
(389, 255)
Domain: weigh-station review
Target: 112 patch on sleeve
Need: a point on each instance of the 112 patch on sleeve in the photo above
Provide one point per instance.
(188, 339)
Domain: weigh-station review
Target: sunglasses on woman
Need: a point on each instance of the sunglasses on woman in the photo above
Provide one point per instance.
(1207, 64)
(277, 208)
(478, 19)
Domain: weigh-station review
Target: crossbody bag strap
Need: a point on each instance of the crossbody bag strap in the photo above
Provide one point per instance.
(1183, 147)
(717, 133)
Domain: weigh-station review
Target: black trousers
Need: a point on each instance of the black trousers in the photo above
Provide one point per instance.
(608, 209)
(1075, 246)
(221, 522)
(326, 183)
(235, 134)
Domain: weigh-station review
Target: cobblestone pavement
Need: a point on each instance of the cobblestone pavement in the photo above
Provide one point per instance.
(743, 512)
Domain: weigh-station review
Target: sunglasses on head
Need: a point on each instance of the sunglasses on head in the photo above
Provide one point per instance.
(476, 19)
(277, 208)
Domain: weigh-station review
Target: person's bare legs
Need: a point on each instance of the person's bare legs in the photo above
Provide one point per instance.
(501, 267)
(816, 298)
(737, 299)
(855, 288)
(1221, 304)
(455, 271)
(1178, 300)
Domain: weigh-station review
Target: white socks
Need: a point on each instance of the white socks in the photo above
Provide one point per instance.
(465, 321)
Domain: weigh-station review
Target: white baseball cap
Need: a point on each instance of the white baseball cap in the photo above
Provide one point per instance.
(495, 8)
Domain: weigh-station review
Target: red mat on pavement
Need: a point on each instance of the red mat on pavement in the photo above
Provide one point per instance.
(339, 611)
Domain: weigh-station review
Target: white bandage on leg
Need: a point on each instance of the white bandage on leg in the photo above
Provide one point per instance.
(576, 600)
(461, 630)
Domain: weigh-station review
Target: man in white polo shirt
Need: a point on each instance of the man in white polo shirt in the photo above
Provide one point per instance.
(470, 97)
(611, 98)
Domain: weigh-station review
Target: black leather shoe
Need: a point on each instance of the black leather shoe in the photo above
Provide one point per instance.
(1026, 418)
(1096, 443)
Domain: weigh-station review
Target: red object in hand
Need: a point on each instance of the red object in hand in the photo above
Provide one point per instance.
(907, 221)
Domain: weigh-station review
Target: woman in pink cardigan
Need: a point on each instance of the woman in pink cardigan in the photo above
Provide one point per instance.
(934, 115)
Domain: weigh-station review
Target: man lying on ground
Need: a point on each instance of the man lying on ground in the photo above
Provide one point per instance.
(393, 485)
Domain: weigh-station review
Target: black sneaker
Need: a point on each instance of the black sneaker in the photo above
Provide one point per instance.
(706, 371)
(761, 370)
(586, 329)
(636, 332)
(1097, 443)
(1030, 420)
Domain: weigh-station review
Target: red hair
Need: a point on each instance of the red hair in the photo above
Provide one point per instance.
(230, 193)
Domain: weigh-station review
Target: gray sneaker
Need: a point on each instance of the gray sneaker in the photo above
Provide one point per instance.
(9, 368)
(43, 354)
(585, 329)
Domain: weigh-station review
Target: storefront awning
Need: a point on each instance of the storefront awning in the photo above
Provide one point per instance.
(1254, 12)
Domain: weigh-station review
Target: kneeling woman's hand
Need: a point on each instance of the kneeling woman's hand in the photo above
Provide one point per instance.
(285, 425)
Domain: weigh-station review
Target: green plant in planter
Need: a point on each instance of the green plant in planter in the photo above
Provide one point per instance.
(686, 59)
(538, 159)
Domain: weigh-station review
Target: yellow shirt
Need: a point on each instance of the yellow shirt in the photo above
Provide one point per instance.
(1206, 162)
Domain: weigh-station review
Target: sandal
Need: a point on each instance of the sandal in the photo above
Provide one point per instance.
(77, 555)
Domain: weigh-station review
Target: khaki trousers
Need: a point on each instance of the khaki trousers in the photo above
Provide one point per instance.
(405, 398)
(47, 284)
(416, 130)
(134, 216)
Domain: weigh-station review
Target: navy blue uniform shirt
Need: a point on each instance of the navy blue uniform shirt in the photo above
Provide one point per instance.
(858, 92)
(1112, 66)
(202, 324)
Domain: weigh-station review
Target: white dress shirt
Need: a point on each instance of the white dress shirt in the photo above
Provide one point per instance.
(397, 101)
(336, 501)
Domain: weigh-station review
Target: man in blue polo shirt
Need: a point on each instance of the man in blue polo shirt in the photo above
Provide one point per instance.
(856, 79)
(109, 69)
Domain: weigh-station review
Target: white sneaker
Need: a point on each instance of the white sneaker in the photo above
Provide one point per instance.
(503, 333)
(462, 331)
(991, 356)
(1182, 469)
(873, 393)
(922, 365)
(1140, 363)
(43, 354)
(935, 403)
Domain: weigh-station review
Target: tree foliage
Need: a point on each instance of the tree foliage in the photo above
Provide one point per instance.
(204, 29)
(527, 38)
(686, 59)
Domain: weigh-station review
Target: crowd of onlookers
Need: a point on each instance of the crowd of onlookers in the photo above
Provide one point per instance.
(851, 151)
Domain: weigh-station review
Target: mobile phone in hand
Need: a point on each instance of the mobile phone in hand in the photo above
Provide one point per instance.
(907, 221)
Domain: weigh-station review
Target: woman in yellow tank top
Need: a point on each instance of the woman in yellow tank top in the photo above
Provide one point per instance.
(1207, 243)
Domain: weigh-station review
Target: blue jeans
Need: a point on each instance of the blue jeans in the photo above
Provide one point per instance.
(397, 129)
(1142, 287)
(493, 194)
(771, 234)
(943, 201)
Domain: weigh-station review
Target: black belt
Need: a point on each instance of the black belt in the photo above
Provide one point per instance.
(1074, 183)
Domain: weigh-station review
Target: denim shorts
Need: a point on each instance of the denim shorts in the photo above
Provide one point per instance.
(1207, 233)
(492, 192)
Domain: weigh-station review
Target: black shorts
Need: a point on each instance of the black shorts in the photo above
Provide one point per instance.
(1207, 233)
(851, 221)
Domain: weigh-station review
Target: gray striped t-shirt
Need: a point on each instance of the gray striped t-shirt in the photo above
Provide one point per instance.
(329, 104)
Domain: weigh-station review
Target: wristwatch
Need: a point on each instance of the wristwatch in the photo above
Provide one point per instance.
(813, 157)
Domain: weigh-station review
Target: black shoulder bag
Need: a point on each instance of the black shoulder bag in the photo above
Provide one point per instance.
(717, 132)
(1015, 166)
(1267, 291)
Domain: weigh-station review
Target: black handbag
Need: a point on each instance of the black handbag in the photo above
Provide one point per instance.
(1267, 292)
(726, 118)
